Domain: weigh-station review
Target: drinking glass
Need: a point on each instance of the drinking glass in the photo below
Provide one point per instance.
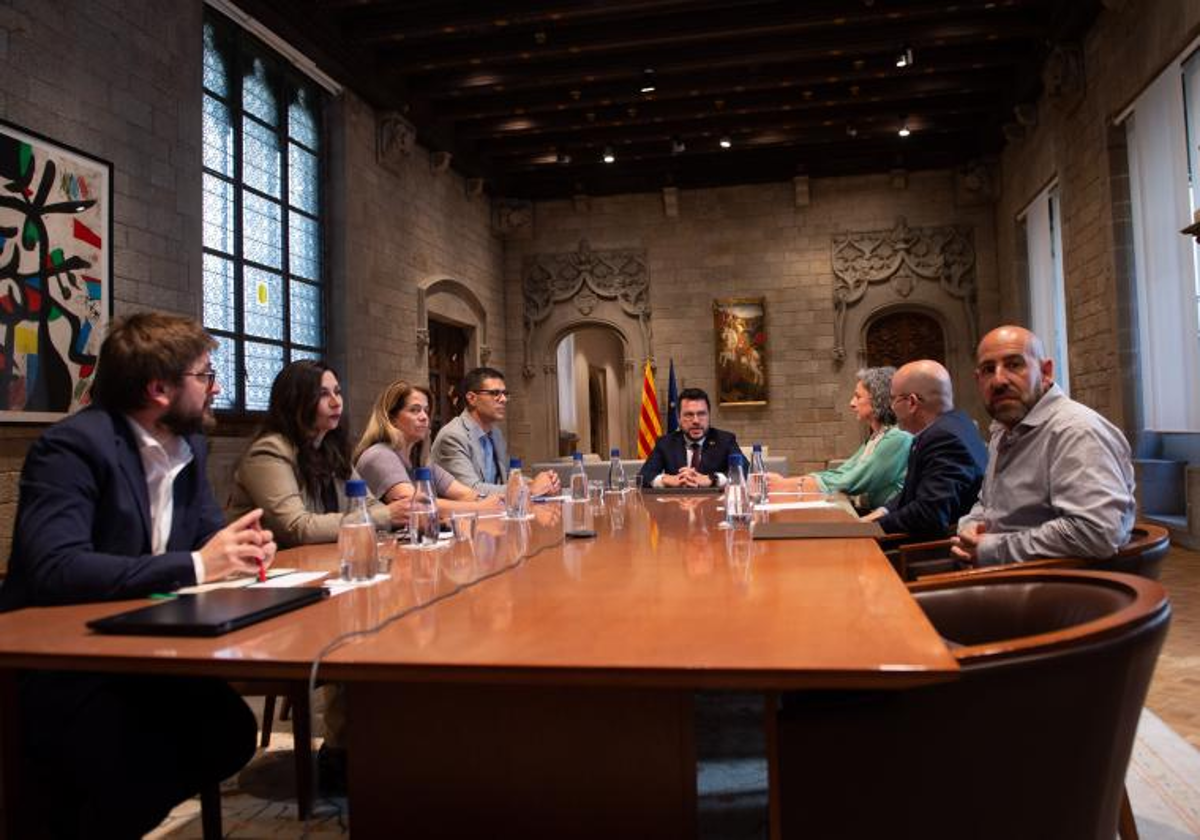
(757, 485)
(616, 513)
(385, 549)
(464, 523)
(577, 516)
(579, 486)
(737, 506)
(595, 496)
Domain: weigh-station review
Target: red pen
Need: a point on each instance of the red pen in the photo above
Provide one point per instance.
(262, 570)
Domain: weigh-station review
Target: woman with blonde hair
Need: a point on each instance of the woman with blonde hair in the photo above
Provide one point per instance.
(396, 442)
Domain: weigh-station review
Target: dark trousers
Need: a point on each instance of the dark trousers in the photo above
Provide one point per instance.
(110, 755)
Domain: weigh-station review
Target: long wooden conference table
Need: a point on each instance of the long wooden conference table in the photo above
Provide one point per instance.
(530, 686)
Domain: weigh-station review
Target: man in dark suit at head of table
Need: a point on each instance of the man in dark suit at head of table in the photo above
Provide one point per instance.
(695, 455)
(947, 459)
(115, 504)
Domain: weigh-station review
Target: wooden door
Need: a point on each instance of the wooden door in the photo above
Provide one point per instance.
(447, 366)
(598, 410)
(901, 337)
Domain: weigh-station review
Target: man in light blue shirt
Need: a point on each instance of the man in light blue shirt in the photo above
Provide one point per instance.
(471, 446)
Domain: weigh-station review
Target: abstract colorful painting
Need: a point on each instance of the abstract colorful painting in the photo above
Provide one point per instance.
(741, 342)
(55, 274)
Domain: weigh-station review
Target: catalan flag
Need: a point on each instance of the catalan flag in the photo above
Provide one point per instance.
(649, 427)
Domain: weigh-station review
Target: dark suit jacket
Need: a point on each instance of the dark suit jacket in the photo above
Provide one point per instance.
(670, 454)
(83, 518)
(945, 471)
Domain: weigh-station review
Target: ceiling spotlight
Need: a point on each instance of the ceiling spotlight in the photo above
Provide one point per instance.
(725, 142)
(904, 58)
(648, 85)
(904, 132)
(678, 147)
(562, 157)
(851, 131)
(609, 157)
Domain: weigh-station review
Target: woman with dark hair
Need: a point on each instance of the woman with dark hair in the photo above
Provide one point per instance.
(298, 464)
(397, 441)
(876, 469)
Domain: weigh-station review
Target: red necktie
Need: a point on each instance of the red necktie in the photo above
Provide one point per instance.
(696, 457)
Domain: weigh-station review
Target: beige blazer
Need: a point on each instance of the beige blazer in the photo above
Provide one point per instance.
(267, 477)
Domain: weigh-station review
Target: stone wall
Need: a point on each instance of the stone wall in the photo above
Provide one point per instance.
(746, 241)
(1075, 141)
(119, 80)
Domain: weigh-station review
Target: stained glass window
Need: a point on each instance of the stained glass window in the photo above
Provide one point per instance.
(264, 285)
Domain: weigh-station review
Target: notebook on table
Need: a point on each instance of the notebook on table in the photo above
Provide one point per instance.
(816, 530)
(208, 613)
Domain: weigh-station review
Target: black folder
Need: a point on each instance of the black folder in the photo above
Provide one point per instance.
(816, 530)
(208, 613)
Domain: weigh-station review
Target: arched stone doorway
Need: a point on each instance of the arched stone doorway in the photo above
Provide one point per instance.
(927, 272)
(567, 292)
(451, 301)
(592, 386)
(452, 329)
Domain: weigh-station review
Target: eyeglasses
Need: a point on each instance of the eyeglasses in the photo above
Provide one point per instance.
(897, 397)
(495, 393)
(210, 375)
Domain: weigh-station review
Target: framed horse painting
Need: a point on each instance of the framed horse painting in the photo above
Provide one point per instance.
(740, 333)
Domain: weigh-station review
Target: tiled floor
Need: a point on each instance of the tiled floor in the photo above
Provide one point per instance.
(1175, 692)
(258, 802)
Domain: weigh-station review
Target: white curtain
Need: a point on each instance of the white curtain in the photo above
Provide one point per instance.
(1166, 280)
(1046, 304)
(567, 421)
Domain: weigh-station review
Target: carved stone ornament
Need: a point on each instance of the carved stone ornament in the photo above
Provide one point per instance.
(1062, 75)
(585, 277)
(512, 218)
(903, 256)
(422, 338)
(394, 140)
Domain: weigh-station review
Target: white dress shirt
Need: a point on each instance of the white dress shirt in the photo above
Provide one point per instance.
(162, 465)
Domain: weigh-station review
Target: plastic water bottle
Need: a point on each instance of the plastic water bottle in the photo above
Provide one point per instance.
(579, 479)
(423, 515)
(356, 535)
(757, 479)
(738, 510)
(616, 473)
(516, 494)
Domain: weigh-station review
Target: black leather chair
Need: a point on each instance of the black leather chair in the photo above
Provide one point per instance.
(1031, 741)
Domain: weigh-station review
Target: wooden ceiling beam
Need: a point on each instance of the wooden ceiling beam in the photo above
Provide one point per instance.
(819, 79)
(893, 95)
(745, 131)
(744, 42)
(446, 22)
(876, 52)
